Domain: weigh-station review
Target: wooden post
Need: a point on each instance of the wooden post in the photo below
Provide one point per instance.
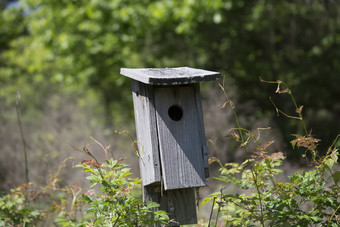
(171, 138)
(179, 204)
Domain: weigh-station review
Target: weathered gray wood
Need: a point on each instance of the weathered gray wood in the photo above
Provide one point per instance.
(201, 130)
(179, 203)
(147, 138)
(171, 139)
(170, 76)
(180, 142)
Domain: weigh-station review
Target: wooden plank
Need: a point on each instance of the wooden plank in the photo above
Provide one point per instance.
(170, 76)
(179, 141)
(179, 204)
(145, 117)
(201, 130)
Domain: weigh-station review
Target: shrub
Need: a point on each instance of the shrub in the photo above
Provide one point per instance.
(307, 198)
(14, 209)
(112, 203)
(109, 202)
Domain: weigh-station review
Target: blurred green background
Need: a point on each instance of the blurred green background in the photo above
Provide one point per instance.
(64, 57)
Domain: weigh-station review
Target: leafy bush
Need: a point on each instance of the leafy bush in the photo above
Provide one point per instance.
(307, 198)
(112, 203)
(109, 202)
(14, 209)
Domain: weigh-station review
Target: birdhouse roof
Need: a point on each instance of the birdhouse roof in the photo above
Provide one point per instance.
(170, 76)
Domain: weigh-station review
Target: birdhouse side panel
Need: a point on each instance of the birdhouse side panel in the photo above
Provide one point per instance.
(145, 117)
(179, 138)
(201, 130)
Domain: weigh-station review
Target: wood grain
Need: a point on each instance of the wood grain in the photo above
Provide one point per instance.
(147, 137)
(179, 203)
(180, 142)
(170, 76)
(201, 130)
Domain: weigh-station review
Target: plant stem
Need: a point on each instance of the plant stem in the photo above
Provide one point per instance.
(300, 115)
(211, 212)
(17, 106)
(271, 176)
(280, 111)
(234, 110)
(218, 214)
(259, 193)
(330, 170)
(336, 138)
(330, 219)
(114, 224)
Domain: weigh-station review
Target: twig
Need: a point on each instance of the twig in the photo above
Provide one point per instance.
(53, 178)
(336, 138)
(280, 111)
(233, 108)
(259, 193)
(218, 213)
(17, 106)
(287, 90)
(135, 144)
(330, 219)
(211, 212)
(116, 221)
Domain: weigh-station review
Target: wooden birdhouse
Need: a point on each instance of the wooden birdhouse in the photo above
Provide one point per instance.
(169, 124)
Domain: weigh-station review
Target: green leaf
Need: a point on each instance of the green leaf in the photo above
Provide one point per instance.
(208, 199)
(336, 176)
(315, 218)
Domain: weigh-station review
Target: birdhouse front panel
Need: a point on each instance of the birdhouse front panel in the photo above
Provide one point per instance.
(180, 140)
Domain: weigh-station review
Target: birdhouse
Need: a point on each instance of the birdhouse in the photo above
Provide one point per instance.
(169, 124)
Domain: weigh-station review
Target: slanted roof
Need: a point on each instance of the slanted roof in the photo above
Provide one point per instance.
(170, 76)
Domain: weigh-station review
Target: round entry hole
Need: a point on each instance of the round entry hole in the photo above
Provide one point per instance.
(175, 112)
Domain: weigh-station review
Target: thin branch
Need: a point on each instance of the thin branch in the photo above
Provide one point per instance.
(280, 111)
(134, 144)
(259, 193)
(270, 82)
(287, 90)
(233, 108)
(258, 132)
(53, 178)
(299, 112)
(330, 219)
(211, 212)
(17, 106)
(336, 138)
(218, 213)
(116, 221)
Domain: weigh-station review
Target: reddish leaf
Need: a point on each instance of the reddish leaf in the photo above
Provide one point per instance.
(265, 146)
(92, 163)
(299, 110)
(307, 142)
(212, 160)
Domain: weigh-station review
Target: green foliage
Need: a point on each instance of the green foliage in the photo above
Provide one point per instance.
(83, 44)
(114, 205)
(110, 200)
(33, 205)
(307, 198)
(14, 209)
(49, 47)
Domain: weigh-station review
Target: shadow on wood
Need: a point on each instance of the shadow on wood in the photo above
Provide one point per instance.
(171, 138)
(179, 203)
